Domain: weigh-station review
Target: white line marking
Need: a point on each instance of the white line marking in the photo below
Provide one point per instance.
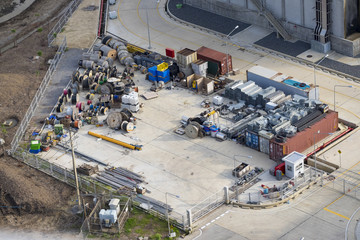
(207, 224)
(212, 221)
(203, 227)
(217, 218)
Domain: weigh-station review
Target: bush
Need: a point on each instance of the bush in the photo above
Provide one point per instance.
(40, 29)
(39, 53)
(13, 30)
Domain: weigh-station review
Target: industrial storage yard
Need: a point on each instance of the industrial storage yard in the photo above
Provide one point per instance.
(188, 129)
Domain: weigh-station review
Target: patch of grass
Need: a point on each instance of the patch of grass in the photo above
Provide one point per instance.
(156, 236)
(129, 225)
(39, 53)
(40, 29)
(54, 34)
(106, 236)
(37, 14)
(62, 30)
(140, 231)
(13, 30)
(90, 236)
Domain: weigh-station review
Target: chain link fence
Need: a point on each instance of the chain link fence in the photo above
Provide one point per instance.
(38, 95)
(62, 21)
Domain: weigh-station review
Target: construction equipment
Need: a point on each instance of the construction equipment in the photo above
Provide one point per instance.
(109, 139)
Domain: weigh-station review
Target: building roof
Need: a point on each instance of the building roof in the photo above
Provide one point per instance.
(294, 157)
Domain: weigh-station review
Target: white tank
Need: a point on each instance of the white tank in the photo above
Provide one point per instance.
(125, 99)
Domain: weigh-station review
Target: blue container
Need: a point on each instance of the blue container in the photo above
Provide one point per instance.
(207, 130)
(297, 84)
(163, 75)
(34, 151)
(152, 73)
(252, 140)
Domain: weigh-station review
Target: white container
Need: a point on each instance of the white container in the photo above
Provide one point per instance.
(135, 108)
(125, 99)
(217, 100)
(133, 100)
(114, 205)
(135, 94)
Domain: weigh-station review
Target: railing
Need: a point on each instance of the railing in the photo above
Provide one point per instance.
(208, 205)
(278, 193)
(64, 18)
(38, 95)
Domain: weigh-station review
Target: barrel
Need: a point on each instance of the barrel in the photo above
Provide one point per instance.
(213, 130)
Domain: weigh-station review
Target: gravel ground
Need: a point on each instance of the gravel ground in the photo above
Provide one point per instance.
(206, 19)
(279, 45)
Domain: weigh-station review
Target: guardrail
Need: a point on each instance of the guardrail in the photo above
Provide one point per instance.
(70, 9)
(286, 190)
(38, 95)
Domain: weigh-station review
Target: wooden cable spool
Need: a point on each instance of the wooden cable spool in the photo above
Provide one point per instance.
(114, 120)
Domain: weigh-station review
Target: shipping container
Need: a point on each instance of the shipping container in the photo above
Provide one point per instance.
(252, 140)
(185, 57)
(264, 141)
(304, 139)
(221, 59)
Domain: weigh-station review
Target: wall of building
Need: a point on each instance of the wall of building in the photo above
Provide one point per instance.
(298, 17)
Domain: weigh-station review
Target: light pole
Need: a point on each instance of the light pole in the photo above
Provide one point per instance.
(348, 86)
(316, 95)
(167, 209)
(227, 50)
(148, 28)
(318, 132)
(244, 156)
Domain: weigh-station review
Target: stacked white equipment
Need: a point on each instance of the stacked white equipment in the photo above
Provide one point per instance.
(131, 101)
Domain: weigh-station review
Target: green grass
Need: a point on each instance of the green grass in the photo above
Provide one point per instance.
(39, 53)
(40, 29)
(37, 14)
(13, 30)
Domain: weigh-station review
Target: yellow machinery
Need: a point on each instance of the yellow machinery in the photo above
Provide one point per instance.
(109, 139)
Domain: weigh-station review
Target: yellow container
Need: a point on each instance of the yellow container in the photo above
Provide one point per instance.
(162, 66)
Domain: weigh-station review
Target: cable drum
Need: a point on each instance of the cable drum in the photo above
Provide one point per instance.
(74, 98)
(85, 84)
(127, 126)
(114, 120)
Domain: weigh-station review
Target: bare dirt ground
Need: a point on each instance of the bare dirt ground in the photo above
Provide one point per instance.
(29, 199)
(38, 14)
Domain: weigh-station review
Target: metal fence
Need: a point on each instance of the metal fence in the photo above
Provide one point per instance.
(70, 9)
(348, 185)
(277, 193)
(207, 206)
(92, 223)
(38, 95)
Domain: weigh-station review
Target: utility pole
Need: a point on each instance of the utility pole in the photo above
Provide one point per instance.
(75, 172)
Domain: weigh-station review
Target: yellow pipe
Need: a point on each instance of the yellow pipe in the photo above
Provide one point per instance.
(109, 139)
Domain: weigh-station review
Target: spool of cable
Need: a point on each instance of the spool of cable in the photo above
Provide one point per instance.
(89, 102)
(77, 124)
(58, 108)
(127, 126)
(133, 120)
(76, 85)
(75, 114)
(65, 92)
(87, 96)
(92, 96)
(85, 83)
(69, 92)
(74, 98)
(114, 120)
(60, 99)
(91, 107)
(74, 91)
